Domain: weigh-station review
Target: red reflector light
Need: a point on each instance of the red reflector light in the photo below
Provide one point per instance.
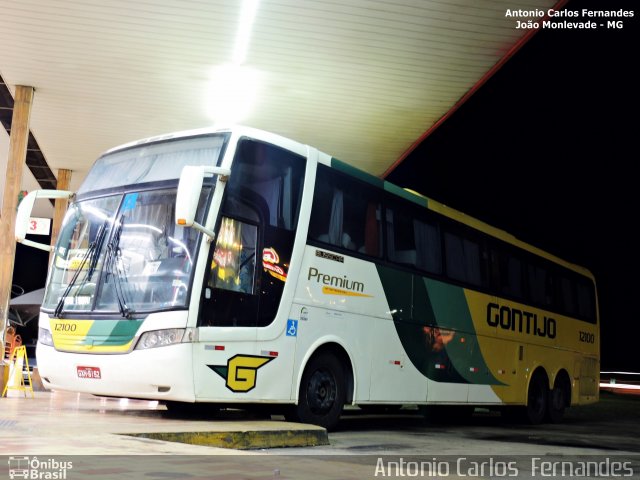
(219, 347)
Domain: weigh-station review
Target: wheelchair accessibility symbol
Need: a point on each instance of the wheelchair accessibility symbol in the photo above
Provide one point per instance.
(292, 328)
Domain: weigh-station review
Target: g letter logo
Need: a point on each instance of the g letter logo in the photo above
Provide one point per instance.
(241, 371)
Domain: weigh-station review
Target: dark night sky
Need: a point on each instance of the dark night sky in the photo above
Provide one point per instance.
(546, 150)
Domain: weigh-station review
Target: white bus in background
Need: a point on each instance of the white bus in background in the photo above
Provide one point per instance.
(239, 267)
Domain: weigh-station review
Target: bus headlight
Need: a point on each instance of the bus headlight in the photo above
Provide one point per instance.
(162, 338)
(44, 337)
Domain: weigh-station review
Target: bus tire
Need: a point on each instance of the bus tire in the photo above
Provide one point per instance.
(537, 400)
(558, 400)
(322, 393)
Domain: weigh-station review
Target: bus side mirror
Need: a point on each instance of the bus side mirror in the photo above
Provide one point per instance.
(24, 215)
(188, 195)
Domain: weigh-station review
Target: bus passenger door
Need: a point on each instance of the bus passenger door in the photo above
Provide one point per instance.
(228, 318)
(239, 356)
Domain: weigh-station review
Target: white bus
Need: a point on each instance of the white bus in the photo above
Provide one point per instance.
(239, 267)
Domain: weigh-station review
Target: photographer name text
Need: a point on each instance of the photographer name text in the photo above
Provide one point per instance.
(584, 19)
(538, 468)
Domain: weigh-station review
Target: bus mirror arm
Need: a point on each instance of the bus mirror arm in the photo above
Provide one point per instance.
(24, 215)
(39, 246)
(222, 172)
(210, 234)
(188, 195)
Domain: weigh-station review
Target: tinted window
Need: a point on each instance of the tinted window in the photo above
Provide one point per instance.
(271, 179)
(413, 241)
(346, 213)
(586, 300)
(541, 285)
(463, 259)
(566, 296)
(507, 274)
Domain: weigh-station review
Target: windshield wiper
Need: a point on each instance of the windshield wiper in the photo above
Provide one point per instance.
(113, 266)
(102, 234)
(94, 247)
(97, 247)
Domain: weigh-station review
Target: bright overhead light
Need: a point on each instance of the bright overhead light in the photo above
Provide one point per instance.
(247, 17)
(232, 93)
(234, 87)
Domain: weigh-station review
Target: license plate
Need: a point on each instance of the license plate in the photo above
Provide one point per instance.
(88, 372)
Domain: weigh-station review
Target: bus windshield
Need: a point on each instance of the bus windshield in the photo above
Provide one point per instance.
(122, 253)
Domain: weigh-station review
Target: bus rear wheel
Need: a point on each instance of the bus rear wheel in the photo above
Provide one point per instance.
(558, 400)
(537, 397)
(322, 393)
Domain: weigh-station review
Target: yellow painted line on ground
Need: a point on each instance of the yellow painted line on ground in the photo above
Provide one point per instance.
(247, 440)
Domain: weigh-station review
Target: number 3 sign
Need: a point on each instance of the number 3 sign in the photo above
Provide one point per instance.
(39, 226)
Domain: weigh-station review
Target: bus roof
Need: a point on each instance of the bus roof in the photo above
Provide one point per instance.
(237, 130)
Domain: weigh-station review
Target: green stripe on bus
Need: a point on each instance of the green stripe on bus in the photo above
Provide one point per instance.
(112, 332)
(452, 312)
(435, 327)
(414, 324)
(355, 172)
(401, 192)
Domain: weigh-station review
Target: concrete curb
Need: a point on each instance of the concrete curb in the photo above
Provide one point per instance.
(244, 440)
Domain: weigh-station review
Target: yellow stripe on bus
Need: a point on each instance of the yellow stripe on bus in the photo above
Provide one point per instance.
(338, 291)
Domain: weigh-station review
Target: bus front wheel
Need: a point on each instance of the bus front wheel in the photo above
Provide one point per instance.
(322, 393)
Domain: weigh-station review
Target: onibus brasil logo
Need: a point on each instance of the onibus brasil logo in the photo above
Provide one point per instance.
(34, 468)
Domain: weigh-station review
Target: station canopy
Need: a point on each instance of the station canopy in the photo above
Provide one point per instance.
(361, 80)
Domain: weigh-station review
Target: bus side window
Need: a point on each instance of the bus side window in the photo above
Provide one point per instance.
(327, 216)
(413, 241)
(346, 214)
(361, 227)
(463, 259)
(373, 230)
(506, 273)
(566, 296)
(541, 285)
(272, 174)
(586, 301)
